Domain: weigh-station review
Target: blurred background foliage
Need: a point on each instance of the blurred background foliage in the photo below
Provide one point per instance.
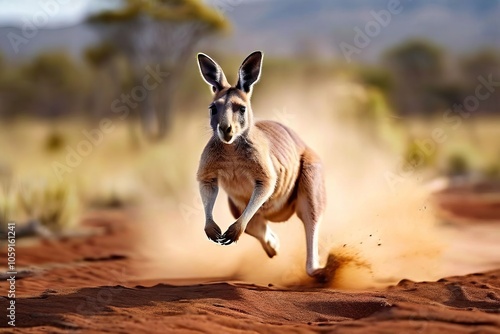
(49, 98)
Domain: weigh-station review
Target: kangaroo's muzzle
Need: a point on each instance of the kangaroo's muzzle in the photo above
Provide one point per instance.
(225, 133)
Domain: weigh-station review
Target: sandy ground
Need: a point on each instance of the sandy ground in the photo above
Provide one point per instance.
(96, 283)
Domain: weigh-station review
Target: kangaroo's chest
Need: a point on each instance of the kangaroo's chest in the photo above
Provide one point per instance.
(237, 180)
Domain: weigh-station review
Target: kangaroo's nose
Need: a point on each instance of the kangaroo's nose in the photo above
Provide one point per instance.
(227, 130)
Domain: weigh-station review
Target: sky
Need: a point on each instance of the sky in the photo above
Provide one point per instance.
(281, 27)
(61, 13)
(49, 13)
(286, 27)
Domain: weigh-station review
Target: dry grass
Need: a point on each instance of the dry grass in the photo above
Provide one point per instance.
(125, 170)
(119, 171)
(473, 146)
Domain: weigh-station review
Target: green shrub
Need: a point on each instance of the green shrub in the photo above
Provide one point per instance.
(457, 165)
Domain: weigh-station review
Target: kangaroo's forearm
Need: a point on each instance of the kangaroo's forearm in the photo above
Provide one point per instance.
(260, 195)
(208, 191)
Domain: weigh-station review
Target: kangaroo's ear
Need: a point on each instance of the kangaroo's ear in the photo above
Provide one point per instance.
(211, 72)
(249, 72)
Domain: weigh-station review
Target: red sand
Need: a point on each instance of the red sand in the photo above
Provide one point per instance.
(85, 285)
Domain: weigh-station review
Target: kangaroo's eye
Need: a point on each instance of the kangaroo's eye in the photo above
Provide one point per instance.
(243, 109)
(213, 110)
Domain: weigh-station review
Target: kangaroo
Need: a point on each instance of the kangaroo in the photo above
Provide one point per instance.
(268, 172)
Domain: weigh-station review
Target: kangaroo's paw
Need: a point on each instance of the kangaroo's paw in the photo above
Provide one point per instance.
(213, 231)
(232, 234)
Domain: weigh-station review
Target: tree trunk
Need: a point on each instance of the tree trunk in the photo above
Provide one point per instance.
(148, 117)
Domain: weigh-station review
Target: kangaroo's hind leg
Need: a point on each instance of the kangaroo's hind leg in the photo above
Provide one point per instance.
(311, 202)
(258, 227)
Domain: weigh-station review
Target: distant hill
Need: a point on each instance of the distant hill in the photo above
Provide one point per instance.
(72, 39)
(286, 27)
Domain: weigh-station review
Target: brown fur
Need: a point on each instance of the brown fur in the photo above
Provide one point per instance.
(237, 168)
(268, 172)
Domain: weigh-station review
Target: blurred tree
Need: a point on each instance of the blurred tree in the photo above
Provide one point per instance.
(376, 77)
(57, 84)
(15, 94)
(50, 84)
(100, 57)
(457, 165)
(483, 64)
(158, 35)
(418, 68)
(2, 75)
(449, 93)
(476, 69)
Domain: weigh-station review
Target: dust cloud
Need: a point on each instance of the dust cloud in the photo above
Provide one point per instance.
(374, 232)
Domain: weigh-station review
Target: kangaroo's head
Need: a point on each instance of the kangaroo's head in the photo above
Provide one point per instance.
(230, 111)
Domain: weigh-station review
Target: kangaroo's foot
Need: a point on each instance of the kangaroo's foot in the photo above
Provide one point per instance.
(320, 275)
(271, 243)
